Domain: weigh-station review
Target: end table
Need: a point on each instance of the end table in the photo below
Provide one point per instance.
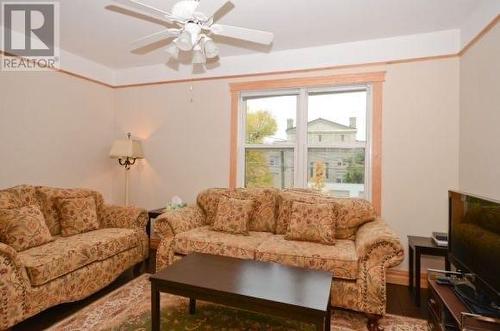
(153, 240)
(418, 246)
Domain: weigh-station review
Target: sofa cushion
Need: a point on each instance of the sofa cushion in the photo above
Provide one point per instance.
(23, 227)
(263, 217)
(340, 259)
(67, 254)
(47, 197)
(77, 215)
(205, 240)
(18, 196)
(233, 215)
(285, 201)
(350, 214)
(312, 222)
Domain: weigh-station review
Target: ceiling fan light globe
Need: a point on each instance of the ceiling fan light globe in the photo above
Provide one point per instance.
(199, 58)
(172, 51)
(211, 49)
(184, 41)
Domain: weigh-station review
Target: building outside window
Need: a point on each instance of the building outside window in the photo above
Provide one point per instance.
(315, 138)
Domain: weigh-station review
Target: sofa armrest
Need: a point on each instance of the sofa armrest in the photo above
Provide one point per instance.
(14, 285)
(173, 222)
(378, 248)
(378, 234)
(124, 217)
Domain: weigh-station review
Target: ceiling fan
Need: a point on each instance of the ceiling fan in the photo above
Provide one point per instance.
(195, 26)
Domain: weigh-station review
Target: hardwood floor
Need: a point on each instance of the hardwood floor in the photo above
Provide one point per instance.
(399, 302)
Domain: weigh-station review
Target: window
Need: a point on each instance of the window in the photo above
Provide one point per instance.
(291, 137)
(354, 165)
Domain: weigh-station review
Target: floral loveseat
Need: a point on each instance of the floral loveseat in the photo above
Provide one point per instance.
(67, 268)
(364, 248)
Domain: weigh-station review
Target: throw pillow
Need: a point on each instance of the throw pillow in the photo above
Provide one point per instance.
(233, 215)
(312, 222)
(23, 227)
(77, 215)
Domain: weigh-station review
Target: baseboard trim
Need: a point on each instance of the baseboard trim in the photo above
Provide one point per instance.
(401, 277)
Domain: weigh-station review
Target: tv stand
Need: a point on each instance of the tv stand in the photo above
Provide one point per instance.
(448, 312)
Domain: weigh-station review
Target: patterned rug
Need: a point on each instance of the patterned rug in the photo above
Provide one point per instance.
(128, 308)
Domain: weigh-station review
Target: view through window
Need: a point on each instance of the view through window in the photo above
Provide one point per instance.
(307, 138)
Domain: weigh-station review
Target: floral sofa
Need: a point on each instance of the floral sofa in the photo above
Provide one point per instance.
(364, 248)
(68, 268)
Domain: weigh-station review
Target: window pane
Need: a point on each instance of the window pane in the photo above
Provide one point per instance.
(336, 136)
(267, 167)
(337, 171)
(271, 120)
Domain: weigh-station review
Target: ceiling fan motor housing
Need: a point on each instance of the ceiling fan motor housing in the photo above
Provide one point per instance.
(185, 9)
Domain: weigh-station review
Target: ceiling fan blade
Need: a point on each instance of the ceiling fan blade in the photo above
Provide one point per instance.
(154, 37)
(210, 7)
(256, 36)
(147, 9)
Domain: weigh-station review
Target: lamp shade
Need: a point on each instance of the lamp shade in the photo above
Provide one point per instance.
(126, 148)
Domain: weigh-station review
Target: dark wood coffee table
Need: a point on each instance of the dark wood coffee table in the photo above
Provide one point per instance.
(263, 287)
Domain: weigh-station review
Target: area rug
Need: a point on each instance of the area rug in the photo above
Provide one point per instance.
(128, 309)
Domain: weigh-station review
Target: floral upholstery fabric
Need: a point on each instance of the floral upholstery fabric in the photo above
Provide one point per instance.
(14, 283)
(339, 259)
(119, 244)
(233, 215)
(77, 215)
(285, 201)
(64, 255)
(23, 227)
(48, 196)
(81, 283)
(352, 214)
(378, 249)
(18, 196)
(123, 217)
(179, 220)
(208, 200)
(312, 222)
(204, 240)
(263, 216)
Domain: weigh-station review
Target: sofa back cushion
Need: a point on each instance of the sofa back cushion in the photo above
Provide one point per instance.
(18, 196)
(351, 212)
(77, 215)
(263, 218)
(23, 227)
(47, 197)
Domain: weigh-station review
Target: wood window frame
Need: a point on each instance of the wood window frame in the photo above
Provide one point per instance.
(374, 79)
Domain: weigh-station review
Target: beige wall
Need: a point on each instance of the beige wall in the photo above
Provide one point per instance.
(187, 143)
(480, 117)
(55, 130)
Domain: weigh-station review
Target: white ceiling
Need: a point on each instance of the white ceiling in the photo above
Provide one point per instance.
(91, 29)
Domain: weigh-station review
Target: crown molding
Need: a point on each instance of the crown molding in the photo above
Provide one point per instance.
(401, 49)
(478, 21)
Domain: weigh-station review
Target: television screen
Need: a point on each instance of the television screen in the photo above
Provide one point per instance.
(474, 239)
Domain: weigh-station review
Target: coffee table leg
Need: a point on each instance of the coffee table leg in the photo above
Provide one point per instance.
(155, 308)
(192, 306)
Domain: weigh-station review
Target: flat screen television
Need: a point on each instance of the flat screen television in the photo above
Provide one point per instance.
(474, 244)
